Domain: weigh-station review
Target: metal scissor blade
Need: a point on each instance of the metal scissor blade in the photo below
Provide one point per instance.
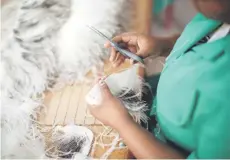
(118, 47)
(100, 33)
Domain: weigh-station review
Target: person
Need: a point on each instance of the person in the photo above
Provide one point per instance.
(191, 105)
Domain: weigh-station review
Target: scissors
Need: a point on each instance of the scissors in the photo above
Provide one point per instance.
(124, 52)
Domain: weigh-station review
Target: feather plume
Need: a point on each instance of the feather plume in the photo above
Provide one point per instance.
(20, 135)
(71, 140)
(34, 52)
(28, 64)
(79, 48)
(128, 87)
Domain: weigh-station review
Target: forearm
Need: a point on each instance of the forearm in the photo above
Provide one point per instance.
(164, 45)
(143, 144)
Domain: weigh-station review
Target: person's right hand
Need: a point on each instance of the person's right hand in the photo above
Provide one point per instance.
(140, 44)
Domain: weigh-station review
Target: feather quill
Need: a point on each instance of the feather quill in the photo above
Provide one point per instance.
(128, 87)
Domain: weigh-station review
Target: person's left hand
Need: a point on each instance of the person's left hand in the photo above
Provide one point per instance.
(111, 111)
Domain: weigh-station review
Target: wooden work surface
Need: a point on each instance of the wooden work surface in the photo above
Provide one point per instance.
(68, 106)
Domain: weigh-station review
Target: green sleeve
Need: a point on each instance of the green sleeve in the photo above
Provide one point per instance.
(212, 125)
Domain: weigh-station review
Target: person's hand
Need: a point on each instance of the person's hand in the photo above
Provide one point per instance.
(140, 44)
(111, 111)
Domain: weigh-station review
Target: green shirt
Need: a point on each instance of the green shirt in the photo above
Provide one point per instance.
(193, 94)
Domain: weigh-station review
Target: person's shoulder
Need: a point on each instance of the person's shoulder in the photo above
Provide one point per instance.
(199, 17)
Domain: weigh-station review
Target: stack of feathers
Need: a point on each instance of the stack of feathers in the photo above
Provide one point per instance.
(46, 42)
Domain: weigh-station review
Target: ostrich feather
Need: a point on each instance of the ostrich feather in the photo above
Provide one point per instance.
(28, 63)
(8, 18)
(43, 40)
(79, 48)
(28, 57)
(72, 140)
(20, 135)
(128, 87)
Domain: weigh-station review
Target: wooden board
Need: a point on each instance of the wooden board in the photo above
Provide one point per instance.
(65, 106)
(68, 106)
(98, 151)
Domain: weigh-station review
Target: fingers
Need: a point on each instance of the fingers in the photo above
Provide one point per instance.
(116, 58)
(131, 61)
(107, 44)
(104, 89)
(119, 61)
(129, 38)
(97, 79)
(113, 55)
(132, 49)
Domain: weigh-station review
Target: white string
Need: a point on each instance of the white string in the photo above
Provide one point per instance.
(111, 149)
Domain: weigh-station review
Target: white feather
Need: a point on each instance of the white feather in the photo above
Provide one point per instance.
(30, 62)
(9, 13)
(117, 82)
(62, 137)
(79, 48)
(20, 135)
(25, 72)
(121, 84)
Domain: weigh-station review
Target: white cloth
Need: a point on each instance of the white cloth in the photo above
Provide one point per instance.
(220, 32)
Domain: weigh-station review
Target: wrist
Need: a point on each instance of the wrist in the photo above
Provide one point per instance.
(163, 46)
(152, 46)
(123, 123)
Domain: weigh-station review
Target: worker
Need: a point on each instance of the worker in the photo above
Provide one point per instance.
(192, 102)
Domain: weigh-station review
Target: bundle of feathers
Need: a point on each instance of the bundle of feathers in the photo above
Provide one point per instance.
(71, 142)
(46, 42)
(128, 87)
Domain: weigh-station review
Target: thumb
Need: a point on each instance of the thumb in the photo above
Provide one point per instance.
(104, 89)
(140, 52)
(107, 44)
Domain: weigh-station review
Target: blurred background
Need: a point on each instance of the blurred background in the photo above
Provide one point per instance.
(161, 17)
(164, 17)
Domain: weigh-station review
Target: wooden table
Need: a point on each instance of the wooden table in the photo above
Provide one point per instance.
(68, 106)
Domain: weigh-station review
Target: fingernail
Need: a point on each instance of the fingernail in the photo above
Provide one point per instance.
(101, 82)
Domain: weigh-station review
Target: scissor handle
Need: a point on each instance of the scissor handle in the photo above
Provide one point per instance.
(127, 53)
